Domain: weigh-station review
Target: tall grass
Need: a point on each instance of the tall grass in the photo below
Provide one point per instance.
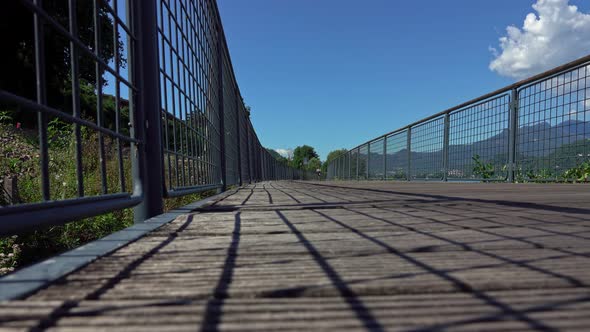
(24, 249)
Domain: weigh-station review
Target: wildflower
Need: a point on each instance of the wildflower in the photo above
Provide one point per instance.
(18, 125)
(11, 255)
(64, 184)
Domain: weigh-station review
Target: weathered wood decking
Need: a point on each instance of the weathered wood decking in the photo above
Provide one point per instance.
(340, 256)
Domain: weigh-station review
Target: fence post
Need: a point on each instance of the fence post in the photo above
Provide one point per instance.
(349, 165)
(512, 128)
(368, 173)
(358, 157)
(385, 158)
(147, 160)
(39, 47)
(446, 138)
(9, 191)
(248, 147)
(220, 98)
(409, 148)
(239, 139)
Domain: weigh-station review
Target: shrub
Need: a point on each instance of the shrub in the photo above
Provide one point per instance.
(481, 169)
(18, 251)
(579, 173)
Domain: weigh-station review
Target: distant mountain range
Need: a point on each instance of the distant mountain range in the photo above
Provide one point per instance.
(536, 140)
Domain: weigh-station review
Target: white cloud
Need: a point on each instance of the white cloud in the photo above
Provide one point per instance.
(287, 153)
(556, 34)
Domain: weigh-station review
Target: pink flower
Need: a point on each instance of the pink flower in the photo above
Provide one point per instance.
(18, 125)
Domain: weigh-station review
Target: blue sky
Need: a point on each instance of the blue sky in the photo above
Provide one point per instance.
(335, 73)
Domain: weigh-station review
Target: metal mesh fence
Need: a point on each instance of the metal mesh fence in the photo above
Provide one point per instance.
(377, 159)
(125, 102)
(354, 161)
(534, 130)
(554, 125)
(363, 162)
(245, 167)
(69, 92)
(231, 133)
(479, 138)
(397, 156)
(427, 150)
(190, 104)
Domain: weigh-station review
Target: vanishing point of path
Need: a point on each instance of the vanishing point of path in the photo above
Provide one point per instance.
(341, 256)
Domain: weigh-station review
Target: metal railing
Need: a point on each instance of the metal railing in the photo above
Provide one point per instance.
(176, 123)
(534, 130)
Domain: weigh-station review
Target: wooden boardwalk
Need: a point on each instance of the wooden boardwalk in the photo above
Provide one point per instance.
(342, 256)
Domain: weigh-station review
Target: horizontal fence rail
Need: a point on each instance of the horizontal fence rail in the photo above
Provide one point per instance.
(537, 129)
(135, 101)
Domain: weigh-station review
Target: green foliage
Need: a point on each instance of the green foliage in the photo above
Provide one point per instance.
(17, 156)
(6, 117)
(10, 253)
(59, 134)
(301, 154)
(176, 202)
(540, 175)
(88, 106)
(13, 165)
(314, 164)
(579, 173)
(482, 169)
(28, 248)
(563, 164)
(18, 67)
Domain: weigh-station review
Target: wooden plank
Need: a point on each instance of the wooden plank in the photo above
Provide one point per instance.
(342, 256)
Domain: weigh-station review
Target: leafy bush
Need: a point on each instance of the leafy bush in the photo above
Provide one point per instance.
(59, 134)
(10, 252)
(483, 170)
(18, 251)
(5, 117)
(540, 175)
(579, 173)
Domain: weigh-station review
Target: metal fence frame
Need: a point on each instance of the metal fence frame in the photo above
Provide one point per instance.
(180, 78)
(519, 111)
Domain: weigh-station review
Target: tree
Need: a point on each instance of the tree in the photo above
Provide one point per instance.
(17, 63)
(314, 164)
(302, 155)
(331, 156)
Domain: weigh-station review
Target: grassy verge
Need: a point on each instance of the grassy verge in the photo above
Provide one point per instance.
(19, 157)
